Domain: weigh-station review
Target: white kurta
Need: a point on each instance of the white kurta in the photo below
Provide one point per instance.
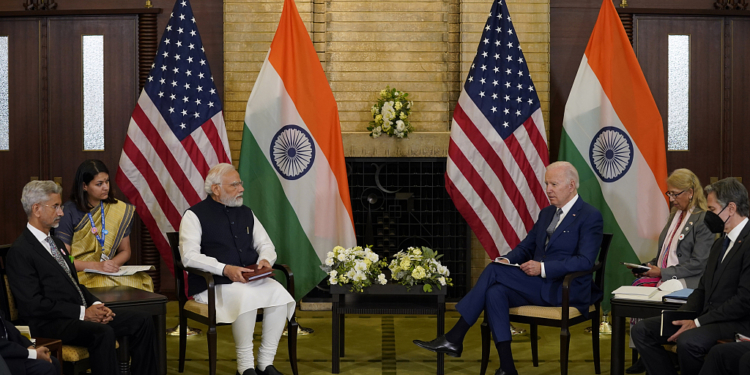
(233, 299)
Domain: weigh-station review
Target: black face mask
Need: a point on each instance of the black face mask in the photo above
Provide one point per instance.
(713, 221)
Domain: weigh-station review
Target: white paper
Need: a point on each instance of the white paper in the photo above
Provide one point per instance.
(124, 270)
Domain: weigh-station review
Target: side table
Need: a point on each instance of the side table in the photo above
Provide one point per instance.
(390, 299)
(119, 298)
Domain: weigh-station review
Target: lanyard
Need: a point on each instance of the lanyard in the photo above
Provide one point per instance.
(93, 227)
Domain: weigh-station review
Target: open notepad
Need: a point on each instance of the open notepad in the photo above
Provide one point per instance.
(124, 270)
(647, 293)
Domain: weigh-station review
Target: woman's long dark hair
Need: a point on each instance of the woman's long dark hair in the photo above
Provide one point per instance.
(85, 173)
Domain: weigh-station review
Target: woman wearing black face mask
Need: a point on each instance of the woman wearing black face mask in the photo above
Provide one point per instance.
(684, 243)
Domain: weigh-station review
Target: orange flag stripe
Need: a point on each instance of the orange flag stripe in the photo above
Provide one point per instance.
(613, 60)
(295, 60)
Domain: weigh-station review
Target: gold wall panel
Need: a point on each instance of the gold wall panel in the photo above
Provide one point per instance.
(423, 47)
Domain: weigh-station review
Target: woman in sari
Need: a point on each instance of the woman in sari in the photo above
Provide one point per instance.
(96, 230)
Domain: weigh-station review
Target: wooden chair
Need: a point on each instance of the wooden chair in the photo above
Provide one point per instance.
(206, 314)
(562, 317)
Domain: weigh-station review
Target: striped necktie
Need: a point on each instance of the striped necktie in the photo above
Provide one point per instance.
(58, 257)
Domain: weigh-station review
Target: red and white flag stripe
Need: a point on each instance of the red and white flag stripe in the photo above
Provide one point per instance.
(496, 184)
(162, 176)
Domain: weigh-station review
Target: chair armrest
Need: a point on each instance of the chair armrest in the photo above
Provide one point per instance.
(49, 343)
(566, 287)
(288, 274)
(54, 346)
(209, 277)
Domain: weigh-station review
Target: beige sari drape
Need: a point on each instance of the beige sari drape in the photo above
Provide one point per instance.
(85, 247)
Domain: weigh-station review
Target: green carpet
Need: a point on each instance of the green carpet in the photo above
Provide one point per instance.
(382, 344)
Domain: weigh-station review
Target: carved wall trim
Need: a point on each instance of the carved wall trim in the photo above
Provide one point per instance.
(420, 144)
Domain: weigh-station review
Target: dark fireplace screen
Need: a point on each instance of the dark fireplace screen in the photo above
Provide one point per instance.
(402, 202)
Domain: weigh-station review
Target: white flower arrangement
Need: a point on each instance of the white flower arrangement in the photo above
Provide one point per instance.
(358, 266)
(390, 115)
(416, 265)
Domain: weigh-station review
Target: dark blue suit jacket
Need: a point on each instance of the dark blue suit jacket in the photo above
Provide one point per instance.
(573, 247)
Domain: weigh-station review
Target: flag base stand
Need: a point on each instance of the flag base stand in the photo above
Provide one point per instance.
(301, 331)
(176, 331)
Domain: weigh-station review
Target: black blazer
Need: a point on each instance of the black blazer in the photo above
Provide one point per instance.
(44, 293)
(723, 294)
(13, 347)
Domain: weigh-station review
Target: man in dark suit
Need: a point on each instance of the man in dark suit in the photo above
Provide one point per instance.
(566, 238)
(728, 359)
(722, 299)
(45, 284)
(21, 356)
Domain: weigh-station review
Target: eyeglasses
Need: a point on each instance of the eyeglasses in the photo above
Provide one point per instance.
(674, 195)
(55, 207)
(235, 184)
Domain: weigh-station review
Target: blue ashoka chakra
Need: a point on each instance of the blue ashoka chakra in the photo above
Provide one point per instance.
(292, 152)
(611, 153)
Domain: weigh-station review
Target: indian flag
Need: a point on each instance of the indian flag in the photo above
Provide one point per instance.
(292, 157)
(613, 134)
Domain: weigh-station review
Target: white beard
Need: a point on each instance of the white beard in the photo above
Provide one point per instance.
(236, 201)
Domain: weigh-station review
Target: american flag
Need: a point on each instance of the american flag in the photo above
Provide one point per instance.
(176, 132)
(498, 148)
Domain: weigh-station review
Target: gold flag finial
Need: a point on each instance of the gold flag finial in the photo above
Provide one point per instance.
(148, 4)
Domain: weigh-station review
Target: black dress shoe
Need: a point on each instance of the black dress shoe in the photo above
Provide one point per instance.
(250, 371)
(636, 368)
(501, 372)
(441, 345)
(270, 370)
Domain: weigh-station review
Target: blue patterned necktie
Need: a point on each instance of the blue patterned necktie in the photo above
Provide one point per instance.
(553, 225)
(58, 257)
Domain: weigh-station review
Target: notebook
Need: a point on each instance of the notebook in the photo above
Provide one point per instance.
(252, 276)
(668, 316)
(680, 296)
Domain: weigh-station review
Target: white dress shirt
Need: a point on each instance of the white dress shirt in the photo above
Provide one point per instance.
(565, 209)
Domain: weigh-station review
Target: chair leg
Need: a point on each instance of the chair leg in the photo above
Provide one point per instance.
(486, 339)
(595, 342)
(123, 355)
(564, 348)
(211, 350)
(534, 334)
(292, 328)
(342, 331)
(183, 342)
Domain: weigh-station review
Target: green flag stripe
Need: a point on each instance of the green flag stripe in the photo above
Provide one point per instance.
(620, 249)
(269, 203)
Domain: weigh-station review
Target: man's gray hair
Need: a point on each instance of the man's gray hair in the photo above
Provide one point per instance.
(215, 174)
(570, 171)
(730, 190)
(37, 192)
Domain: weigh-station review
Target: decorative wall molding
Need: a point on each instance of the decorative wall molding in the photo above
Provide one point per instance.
(731, 4)
(40, 5)
(418, 145)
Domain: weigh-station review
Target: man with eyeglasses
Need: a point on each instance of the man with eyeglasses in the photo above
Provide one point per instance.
(49, 296)
(722, 299)
(222, 236)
